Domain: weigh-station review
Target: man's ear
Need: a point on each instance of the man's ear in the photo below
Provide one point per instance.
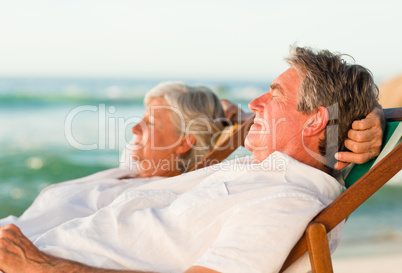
(187, 143)
(317, 122)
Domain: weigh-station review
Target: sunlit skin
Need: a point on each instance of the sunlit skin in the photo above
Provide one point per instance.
(276, 115)
(277, 125)
(157, 143)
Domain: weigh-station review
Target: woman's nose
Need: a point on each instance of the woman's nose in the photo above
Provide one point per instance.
(137, 129)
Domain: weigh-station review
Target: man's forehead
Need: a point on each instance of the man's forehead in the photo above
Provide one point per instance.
(288, 80)
(289, 74)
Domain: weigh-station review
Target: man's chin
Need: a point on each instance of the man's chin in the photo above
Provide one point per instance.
(248, 145)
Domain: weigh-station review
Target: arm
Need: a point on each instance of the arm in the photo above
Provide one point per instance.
(234, 113)
(18, 254)
(364, 139)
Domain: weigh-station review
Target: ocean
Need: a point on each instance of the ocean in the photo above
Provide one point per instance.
(55, 130)
(58, 129)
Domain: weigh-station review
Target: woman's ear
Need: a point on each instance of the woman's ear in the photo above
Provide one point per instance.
(187, 143)
(317, 122)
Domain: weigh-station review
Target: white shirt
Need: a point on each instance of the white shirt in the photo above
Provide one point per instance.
(229, 217)
(61, 202)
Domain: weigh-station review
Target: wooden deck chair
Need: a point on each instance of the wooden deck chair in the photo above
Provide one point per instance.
(384, 168)
(230, 139)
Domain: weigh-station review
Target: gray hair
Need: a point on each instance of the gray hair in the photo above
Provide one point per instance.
(346, 90)
(199, 114)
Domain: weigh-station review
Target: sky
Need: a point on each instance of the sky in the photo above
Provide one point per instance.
(245, 40)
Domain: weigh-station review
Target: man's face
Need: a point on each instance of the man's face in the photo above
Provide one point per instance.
(277, 125)
(156, 140)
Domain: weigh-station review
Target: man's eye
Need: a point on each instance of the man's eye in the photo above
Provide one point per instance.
(274, 93)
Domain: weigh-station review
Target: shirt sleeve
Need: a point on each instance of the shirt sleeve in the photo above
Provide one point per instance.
(259, 236)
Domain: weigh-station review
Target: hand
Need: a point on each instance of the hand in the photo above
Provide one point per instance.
(364, 140)
(231, 110)
(234, 113)
(18, 254)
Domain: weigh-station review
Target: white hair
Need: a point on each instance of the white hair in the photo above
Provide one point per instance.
(199, 113)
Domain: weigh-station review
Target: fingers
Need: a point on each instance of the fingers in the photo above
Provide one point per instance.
(363, 150)
(373, 147)
(372, 120)
(365, 135)
(13, 234)
(231, 114)
(360, 153)
(7, 247)
(367, 123)
(9, 232)
(226, 104)
(344, 158)
(340, 165)
(11, 237)
(231, 110)
(369, 140)
(17, 253)
(11, 227)
(364, 140)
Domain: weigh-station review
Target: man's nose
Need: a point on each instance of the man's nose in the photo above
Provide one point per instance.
(257, 104)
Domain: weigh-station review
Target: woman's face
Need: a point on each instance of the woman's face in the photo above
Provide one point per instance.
(157, 141)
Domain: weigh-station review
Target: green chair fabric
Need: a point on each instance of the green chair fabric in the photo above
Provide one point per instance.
(358, 170)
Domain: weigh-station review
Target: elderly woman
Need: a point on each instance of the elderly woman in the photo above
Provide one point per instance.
(178, 128)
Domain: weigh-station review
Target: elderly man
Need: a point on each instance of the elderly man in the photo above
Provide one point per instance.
(232, 217)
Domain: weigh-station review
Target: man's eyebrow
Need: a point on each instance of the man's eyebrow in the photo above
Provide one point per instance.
(277, 87)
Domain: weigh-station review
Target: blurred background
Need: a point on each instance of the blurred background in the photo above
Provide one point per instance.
(73, 75)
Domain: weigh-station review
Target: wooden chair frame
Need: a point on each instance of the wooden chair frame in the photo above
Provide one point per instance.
(315, 238)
